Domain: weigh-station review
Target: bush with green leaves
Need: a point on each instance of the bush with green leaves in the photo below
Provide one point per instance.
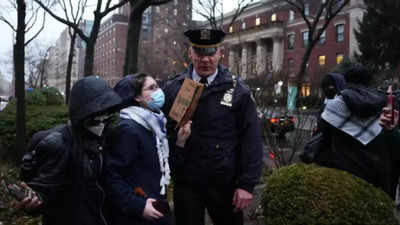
(44, 110)
(309, 195)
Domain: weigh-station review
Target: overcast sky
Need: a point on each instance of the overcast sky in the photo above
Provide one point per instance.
(48, 36)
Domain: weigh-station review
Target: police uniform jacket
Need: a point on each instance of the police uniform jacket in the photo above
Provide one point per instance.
(225, 145)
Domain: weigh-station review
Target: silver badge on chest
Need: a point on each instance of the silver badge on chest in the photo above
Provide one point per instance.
(228, 96)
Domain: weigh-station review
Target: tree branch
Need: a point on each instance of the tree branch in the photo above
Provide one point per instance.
(66, 22)
(8, 23)
(39, 31)
(107, 10)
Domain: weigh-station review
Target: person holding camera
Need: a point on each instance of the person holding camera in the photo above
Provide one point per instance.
(356, 122)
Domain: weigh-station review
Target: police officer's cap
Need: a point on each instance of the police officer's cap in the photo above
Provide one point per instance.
(205, 41)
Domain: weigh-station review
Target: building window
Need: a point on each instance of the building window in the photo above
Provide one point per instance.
(230, 29)
(291, 15)
(290, 66)
(307, 9)
(322, 38)
(175, 2)
(305, 90)
(243, 25)
(290, 41)
(175, 12)
(321, 60)
(257, 21)
(157, 9)
(339, 58)
(340, 33)
(305, 38)
(273, 17)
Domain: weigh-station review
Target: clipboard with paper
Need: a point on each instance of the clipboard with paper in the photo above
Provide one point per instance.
(186, 102)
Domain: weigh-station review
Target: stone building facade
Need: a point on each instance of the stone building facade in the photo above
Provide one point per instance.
(268, 37)
(56, 66)
(161, 47)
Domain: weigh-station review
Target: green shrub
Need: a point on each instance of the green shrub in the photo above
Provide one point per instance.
(53, 96)
(35, 97)
(38, 117)
(308, 194)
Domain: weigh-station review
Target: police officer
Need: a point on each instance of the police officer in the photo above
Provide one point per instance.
(220, 163)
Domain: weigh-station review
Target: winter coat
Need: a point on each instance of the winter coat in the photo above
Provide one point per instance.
(376, 162)
(132, 162)
(71, 196)
(225, 145)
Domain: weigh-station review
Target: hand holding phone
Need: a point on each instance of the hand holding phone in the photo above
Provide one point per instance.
(14, 190)
(26, 197)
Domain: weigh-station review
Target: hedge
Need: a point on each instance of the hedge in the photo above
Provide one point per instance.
(310, 195)
(44, 110)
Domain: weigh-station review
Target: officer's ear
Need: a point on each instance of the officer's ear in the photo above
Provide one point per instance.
(190, 53)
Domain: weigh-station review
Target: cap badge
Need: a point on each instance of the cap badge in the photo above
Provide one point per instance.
(205, 34)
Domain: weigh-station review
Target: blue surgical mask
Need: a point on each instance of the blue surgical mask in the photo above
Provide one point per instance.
(157, 100)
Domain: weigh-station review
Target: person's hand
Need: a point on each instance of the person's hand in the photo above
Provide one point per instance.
(241, 199)
(31, 201)
(385, 119)
(184, 133)
(149, 212)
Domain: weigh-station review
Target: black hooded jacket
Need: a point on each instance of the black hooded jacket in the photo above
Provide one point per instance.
(68, 160)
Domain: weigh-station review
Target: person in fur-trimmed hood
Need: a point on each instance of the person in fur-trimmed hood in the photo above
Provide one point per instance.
(358, 142)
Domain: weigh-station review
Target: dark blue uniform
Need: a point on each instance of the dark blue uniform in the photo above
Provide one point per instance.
(223, 152)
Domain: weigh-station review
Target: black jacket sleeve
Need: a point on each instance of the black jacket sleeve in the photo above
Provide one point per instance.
(53, 173)
(117, 162)
(250, 144)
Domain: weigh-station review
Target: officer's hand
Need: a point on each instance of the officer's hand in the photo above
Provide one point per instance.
(31, 201)
(386, 119)
(241, 199)
(149, 212)
(184, 133)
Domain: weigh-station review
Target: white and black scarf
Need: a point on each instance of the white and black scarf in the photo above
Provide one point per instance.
(337, 114)
(154, 122)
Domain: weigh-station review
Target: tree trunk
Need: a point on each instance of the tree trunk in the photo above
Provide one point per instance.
(19, 70)
(69, 67)
(132, 44)
(42, 72)
(90, 46)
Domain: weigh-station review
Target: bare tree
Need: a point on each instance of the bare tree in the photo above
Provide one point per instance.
(75, 15)
(27, 16)
(317, 15)
(134, 27)
(35, 61)
(102, 9)
(212, 11)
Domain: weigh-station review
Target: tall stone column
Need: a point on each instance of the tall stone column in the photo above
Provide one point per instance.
(245, 56)
(261, 61)
(277, 54)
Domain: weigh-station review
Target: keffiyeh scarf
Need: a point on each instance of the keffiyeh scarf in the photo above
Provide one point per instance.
(154, 122)
(338, 115)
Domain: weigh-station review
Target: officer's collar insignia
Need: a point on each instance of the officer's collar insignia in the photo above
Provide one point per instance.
(205, 34)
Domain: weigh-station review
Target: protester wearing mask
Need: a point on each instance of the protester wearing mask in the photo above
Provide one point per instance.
(139, 155)
(359, 142)
(63, 164)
